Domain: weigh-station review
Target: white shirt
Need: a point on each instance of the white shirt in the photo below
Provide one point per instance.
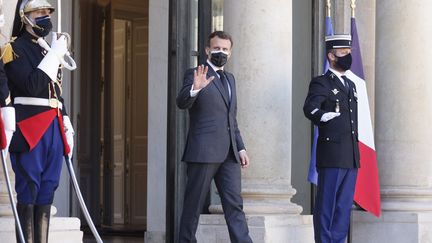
(338, 74)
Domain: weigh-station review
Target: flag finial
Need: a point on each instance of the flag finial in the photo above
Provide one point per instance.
(353, 6)
(328, 8)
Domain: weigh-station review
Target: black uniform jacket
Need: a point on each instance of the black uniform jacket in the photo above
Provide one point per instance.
(212, 120)
(26, 80)
(5, 99)
(337, 144)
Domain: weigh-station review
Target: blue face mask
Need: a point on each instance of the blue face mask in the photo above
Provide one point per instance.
(43, 26)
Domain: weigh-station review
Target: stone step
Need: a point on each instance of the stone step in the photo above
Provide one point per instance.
(62, 230)
(277, 228)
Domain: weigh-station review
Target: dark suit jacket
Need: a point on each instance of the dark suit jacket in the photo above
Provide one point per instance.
(338, 138)
(212, 120)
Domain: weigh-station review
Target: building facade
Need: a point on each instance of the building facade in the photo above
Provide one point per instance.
(130, 135)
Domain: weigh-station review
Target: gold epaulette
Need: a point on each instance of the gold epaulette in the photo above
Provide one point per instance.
(7, 53)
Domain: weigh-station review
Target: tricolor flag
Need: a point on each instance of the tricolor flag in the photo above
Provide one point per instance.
(313, 173)
(367, 191)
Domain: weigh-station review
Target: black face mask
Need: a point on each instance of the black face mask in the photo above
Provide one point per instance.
(344, 62)
(219, 59)
(43, 26)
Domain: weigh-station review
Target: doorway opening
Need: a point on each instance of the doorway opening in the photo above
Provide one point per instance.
(125, 102)
(113, 163)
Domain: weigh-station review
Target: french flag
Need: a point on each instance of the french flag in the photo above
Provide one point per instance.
(367, 191)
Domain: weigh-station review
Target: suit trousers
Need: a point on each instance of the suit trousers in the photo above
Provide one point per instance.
(227, 176)
(334, 201)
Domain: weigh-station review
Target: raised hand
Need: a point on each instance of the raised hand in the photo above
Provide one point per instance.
(200, 77)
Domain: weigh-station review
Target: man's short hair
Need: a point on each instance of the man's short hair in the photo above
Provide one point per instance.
(220, 34)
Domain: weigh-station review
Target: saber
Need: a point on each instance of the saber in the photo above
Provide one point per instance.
(71, 65)
(11, 198)
(81, 200)
(59, 16)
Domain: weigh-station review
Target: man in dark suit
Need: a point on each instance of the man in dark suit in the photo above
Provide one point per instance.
(331, 104)
(214, 147)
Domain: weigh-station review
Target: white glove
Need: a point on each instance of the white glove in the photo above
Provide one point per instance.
(69, 131)
(59, 45)
(50, 63)
(8, 115)
(329, 115)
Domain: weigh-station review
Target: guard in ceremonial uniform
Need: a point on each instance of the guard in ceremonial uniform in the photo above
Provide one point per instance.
(7, 123)
(331, 104)
(43, 133)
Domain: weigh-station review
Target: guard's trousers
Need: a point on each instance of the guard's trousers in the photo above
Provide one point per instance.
(37, 172)
(334, 201)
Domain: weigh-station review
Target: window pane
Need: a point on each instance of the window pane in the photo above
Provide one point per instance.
(194, 32)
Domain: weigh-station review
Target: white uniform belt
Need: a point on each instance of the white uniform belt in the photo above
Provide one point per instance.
(53, 103)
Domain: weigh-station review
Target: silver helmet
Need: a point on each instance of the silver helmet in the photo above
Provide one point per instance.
(24, 7)
(33, 5)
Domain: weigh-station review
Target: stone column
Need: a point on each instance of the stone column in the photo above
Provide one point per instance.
(262, 64)
(403, 115)
(157, 115)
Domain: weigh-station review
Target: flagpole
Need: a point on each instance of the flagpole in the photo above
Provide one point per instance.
(353, 6)
(59, 13)
(329, 8)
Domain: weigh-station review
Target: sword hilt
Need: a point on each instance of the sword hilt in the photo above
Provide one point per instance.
(67, 36)
(71, 64)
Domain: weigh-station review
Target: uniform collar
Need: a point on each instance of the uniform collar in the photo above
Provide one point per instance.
(29, 36)
(338, 74)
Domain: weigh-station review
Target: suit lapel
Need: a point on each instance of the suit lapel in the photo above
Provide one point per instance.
(217, 82)
(233, 89)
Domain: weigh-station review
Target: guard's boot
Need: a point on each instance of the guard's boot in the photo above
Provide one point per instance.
(42, 215)
(25, 214)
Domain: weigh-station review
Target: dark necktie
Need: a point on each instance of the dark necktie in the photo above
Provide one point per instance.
(224, 82)
(346, 83)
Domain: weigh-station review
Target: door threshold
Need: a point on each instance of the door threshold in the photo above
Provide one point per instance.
(118, 230)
